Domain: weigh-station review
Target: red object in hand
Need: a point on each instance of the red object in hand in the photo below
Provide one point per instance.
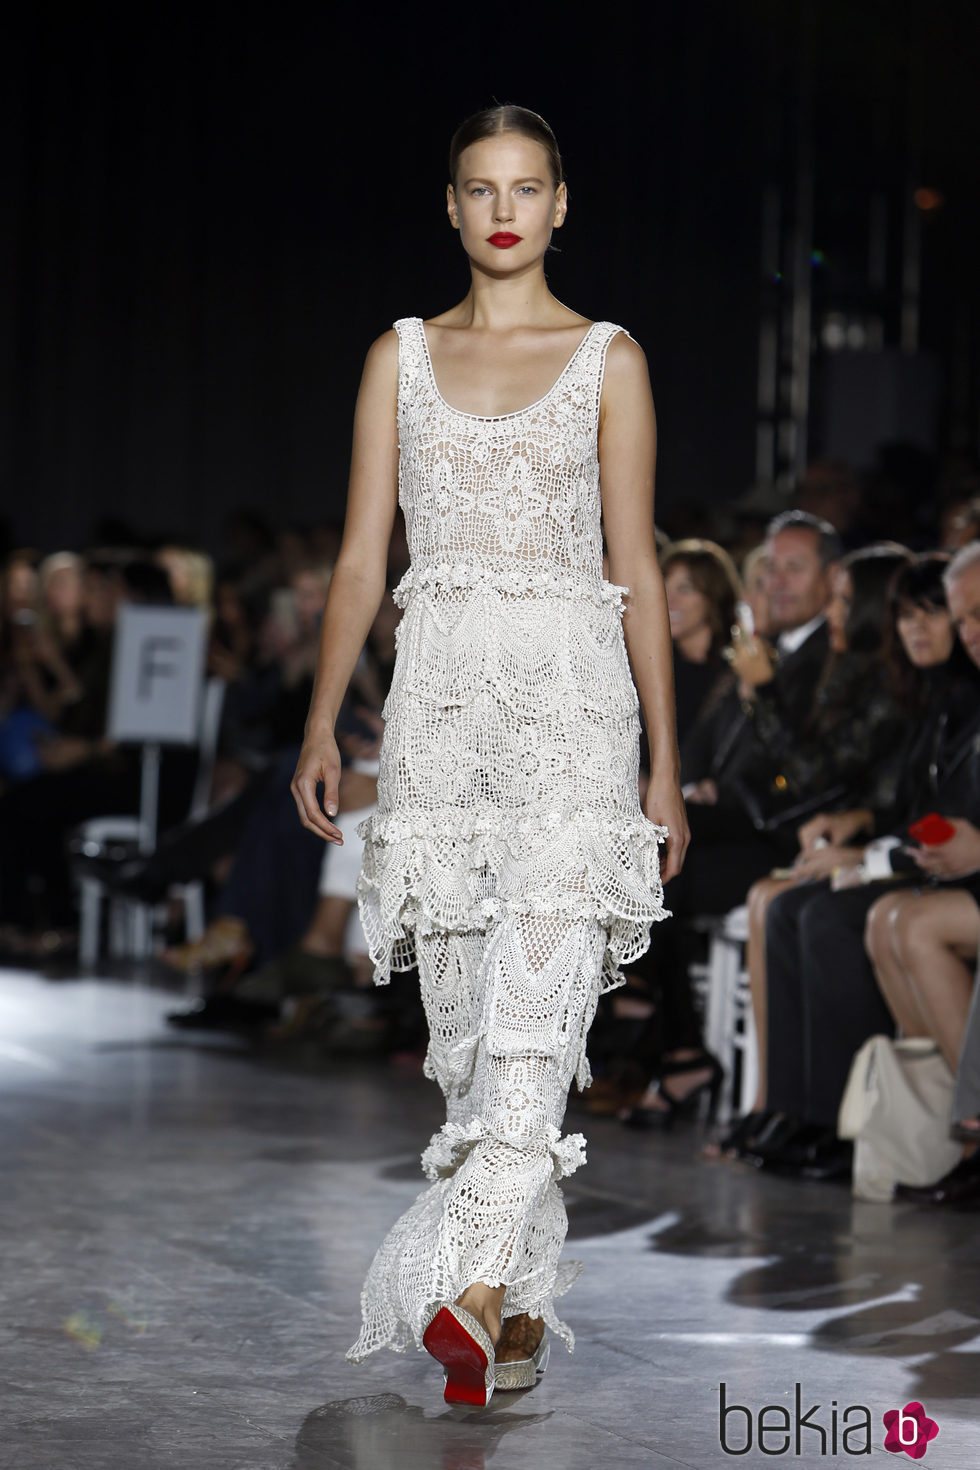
(932, 830)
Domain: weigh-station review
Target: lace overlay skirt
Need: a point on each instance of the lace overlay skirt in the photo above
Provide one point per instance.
(508, 1013)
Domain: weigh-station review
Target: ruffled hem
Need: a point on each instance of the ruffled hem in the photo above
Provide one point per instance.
(450, 1145)
(514, 579)
(462, 871)
(390, 1319)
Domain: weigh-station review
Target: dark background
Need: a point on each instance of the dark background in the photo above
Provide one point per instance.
(210, 213)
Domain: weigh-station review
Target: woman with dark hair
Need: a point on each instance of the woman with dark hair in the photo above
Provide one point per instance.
(922, 652)
(822, 996)
(702, 592)
(850, 739)
(509, 856)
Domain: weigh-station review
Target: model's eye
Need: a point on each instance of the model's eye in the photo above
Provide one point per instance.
(527, 189)
(480, 189)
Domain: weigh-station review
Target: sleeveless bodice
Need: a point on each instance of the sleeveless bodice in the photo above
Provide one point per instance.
(511, 500)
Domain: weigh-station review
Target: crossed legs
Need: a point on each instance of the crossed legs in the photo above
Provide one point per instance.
(923, 946)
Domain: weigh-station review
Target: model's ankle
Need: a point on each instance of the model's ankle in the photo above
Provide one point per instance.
(485, 1304)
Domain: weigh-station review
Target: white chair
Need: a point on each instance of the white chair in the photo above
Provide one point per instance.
(131, 923)
(729, 1025)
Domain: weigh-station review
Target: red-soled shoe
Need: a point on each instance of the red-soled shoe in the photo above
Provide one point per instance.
(456, 1340)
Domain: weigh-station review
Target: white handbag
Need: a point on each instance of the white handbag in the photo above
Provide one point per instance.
(897, 1107)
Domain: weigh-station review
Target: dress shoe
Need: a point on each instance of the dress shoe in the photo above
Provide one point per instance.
(829, 1158)
(782, 1143)
(960, 1186)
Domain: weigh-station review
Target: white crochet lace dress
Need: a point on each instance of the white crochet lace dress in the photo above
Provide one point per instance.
(508, 856)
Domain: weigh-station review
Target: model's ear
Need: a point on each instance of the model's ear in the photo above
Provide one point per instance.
(561, 205)
(452, 208)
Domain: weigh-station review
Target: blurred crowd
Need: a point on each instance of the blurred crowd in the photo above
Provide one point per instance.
(827, 671)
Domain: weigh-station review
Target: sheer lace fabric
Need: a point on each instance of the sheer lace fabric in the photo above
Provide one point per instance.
(508, 855)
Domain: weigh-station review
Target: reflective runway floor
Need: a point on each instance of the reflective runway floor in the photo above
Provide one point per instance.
(185, 1227)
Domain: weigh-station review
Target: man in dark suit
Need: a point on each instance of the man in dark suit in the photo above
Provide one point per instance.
(743, 811)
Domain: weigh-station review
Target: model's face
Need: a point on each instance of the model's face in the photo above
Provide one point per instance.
(838, 608)
(688, 608)
(798, 582)
(504, 194)
(964, 607)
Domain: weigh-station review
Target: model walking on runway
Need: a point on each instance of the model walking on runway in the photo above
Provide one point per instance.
(509, 856)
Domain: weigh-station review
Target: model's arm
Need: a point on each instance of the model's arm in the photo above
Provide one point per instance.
(627, 460)
(358, 582)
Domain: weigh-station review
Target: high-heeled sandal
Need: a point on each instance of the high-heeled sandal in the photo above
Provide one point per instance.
(458, 1341)
(520, 1372)
(641, 1117)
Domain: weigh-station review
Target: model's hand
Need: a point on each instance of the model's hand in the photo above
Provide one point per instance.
(955, 858)
(319, 760)
(665, 806)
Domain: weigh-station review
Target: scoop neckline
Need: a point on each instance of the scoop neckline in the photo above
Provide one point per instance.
(496, 418)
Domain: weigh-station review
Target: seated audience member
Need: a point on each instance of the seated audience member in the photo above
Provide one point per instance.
(190, 574)
(702, 592)
(823, 1002)
(742, 809)
(61, 576)
(272, 711)
(292, 927)
(923, 947)
(854, 738)
(83, 774)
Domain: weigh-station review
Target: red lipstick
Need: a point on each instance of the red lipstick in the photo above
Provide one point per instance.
(504, 240)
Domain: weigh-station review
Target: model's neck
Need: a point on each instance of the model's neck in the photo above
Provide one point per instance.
(501, 304)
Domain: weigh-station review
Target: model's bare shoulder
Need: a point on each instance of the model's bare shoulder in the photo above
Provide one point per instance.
(380, 377)
(383, 350)
(626, 380)
(625, 360)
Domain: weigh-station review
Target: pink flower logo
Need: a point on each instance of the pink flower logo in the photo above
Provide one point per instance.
(909, 1429)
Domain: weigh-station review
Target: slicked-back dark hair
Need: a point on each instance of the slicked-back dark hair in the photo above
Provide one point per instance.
(828, 541)
(507, 118)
